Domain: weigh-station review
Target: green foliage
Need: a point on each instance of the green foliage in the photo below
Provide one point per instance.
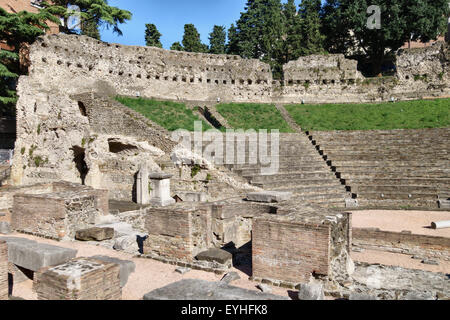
(383, 116)
(292, 46)
(310, 27)
(208, 178)
(22, 151)
(152, 36)
(15, 29)
(98, 11)
(401, 20)
(253, 116)
(177, 46)
(89, 28)
(169, 115)
(217, 40)
(195, 170)
(191, 40)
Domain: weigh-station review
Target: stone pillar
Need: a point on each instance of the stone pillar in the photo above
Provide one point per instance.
(142, 194)
(160, 193)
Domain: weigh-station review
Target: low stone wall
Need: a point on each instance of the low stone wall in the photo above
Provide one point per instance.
(406, 243)
(3, 271)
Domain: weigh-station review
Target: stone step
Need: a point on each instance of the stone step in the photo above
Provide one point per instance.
(439, 183)
(336, 188)
(295, 183)
(397, 204)
(391, 163)
(396, 188)
(320, 197)
(290, 176)
(397, 196)
(394, 175)
(284, 169)
(397, 152)
(386, 157)
(392, 169)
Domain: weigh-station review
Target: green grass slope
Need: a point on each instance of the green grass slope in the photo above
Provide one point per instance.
(253, 116)
(385, 116)
(169, 115)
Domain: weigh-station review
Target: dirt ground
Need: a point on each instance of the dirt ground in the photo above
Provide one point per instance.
(418, 222)
(149, 274)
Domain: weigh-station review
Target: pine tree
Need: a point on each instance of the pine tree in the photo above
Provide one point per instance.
(232, 46)
(90, 10)
(312, 37)
(90, 28)
(191, 39)
(217, 40)
(293, 38)
(17, 29)
(152, 36)
(401, 20)
(176, 46)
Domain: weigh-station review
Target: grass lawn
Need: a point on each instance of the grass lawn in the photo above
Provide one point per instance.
(385, 116)
(253, 116)
(170, 115)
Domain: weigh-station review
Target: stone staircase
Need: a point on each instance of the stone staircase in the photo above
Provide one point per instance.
(302, 170)
(395, 168)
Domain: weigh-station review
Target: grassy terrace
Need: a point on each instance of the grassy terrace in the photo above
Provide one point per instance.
(384, 116)
(169, 115)
(253, 116)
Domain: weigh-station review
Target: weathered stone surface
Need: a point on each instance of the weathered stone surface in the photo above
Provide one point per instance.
(361, 296)
(181, 270)
(269, 196)
(264, 288)
(160, 175)
(94, 234)
(32, 255)
(417, 295)
(217, 255)
(5, 227)
(230, 277)
(190, 289)
(126, 267)
(191, 196)
(3, 271)
(430, 262)
(311, 291)
(351, 203)
(444, 204)
(127, 243)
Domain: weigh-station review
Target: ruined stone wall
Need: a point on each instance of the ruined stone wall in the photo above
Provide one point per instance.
(3, 271)
(289, 251)
(401, 242)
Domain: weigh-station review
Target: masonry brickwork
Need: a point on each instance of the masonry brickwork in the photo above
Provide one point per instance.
(3, 271)
(60, 212)
(79, 279)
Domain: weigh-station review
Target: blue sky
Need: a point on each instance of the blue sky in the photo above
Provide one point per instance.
(170, 16)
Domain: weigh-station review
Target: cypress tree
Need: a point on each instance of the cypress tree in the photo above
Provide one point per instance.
(191, 39)
(152, 36)
(217, 40)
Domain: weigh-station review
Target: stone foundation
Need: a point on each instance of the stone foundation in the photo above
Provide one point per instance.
(79, 279)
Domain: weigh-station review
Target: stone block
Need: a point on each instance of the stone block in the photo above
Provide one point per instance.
(5, 227)
(182, 271)
(215, 255)
(126, 267)
(191, 196)
(311, 291)
(230, 277)
(33, 256)
(95, 234)
(351, 203)
(444, 204)
(192, 289)
(127, 244)
(269, 196)
(264, 288)
(79, 279)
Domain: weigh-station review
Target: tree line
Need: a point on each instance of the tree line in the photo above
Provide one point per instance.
(277, 32)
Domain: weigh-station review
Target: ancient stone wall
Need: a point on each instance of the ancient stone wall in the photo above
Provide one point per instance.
(3, 271)
(59, 211)
(402, 242)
